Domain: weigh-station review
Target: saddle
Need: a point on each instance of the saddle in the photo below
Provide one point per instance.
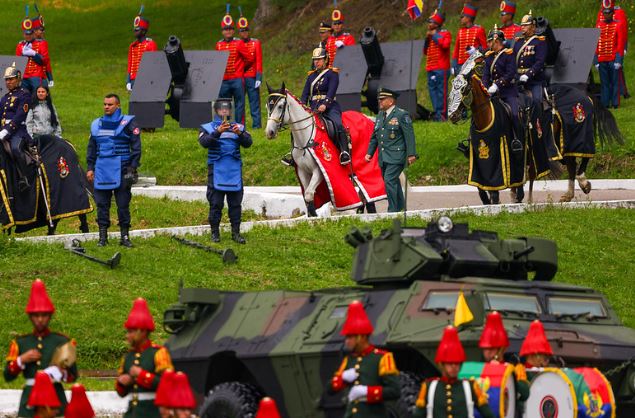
(331, 129)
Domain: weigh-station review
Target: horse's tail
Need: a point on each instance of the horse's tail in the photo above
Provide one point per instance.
(555, 170)
(605, 126)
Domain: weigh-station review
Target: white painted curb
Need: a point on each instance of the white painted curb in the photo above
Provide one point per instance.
(104, 403)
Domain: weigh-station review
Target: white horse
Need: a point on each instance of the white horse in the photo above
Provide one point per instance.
(284, 109)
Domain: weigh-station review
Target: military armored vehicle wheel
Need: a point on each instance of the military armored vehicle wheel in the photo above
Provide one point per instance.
(231, 400)
(410, 385)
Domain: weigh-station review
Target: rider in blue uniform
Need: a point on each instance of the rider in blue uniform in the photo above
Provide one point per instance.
(319, 94)
(113, 156)
(223, 140)
(530, 52)
(13, 134)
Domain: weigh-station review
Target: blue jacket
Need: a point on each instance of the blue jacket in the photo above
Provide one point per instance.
(530, 57)
(500, 69)
(15, 107)
(125, 135)
(225, 144)
(323, 91)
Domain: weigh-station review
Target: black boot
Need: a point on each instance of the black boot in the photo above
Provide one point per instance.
(125, 240)
(215, 234)
(288, 160)
(495, 197)
(236, 235)
(484, 197)
(520, 194)
(345, 156)
(103, 236)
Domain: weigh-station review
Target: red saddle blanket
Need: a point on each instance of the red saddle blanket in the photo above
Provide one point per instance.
(341, 182)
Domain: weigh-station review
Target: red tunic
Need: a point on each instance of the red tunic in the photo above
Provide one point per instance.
(510, 30)
(467, 37)
(331, 49)
(238, 57)
(345, 37)
(437, 50)
(135, 53)
(619, 15)
(254, 49)
(33, 69)
(611, 43)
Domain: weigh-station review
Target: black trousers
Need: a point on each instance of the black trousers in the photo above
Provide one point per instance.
(216, 199)
(103, 199)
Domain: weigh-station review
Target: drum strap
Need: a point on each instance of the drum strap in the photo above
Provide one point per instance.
(430, 403)
(468, 398)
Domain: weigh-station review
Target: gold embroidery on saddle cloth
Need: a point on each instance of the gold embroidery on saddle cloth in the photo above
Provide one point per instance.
(325, 152)
(483, 150)
(578, 113)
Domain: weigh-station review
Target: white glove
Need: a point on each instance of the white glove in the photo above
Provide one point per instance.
(452, 70)
(339, 43)
(51, 83)
(350, 375)
(27, 51)
(3, 133)
(54, 373)
(523, 78)
(129, 86)
(257, 84)
(471, 50)
(493, 88)
(597, 66)
(434, 77)
(359, 391)
(617, 65)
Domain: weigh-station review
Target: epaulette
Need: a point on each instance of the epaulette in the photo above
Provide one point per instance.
(335, 69)
(380, 351)
(148, 39)
(488, 53)
(155, 345)
(541, 38)
(509, 51)
(310, 72)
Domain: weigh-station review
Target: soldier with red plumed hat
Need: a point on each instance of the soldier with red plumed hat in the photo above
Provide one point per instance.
(174, 396)
(469, 38)
(38, 31)
(609, 56)
(368, 372)
(142, 367)
(40, 351)
(267, 408)
(253, 70)
(79, 406)
(341, 38)
(508, 27)
(619, 15)
(141, 44)
(43, 400)
(437, 50)
(36, 51)
(239, 58)
(448, 395)
(535, 348)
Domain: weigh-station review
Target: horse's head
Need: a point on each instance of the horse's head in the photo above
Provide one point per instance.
(460, 96)
(276, 111)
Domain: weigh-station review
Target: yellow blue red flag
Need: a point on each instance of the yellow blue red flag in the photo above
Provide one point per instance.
(414, 9)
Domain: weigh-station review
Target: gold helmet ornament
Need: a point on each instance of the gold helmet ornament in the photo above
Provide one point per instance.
(528, 19)
(319, 53)
(11, 72)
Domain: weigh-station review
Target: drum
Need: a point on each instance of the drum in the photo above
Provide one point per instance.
(570, 393)
(497, 379)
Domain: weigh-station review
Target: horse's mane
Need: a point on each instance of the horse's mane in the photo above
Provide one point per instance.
(304, 106)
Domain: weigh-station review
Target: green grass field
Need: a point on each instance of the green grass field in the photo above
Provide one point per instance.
(88, 42)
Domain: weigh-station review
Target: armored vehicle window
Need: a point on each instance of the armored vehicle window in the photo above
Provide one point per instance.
(440, 300)
(338, 312)
(512, 302)
(575, 306)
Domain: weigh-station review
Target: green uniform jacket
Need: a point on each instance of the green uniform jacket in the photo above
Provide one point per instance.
(46, 343)
(378, 371)
(393, 136)
(154, 360)
(449, 400)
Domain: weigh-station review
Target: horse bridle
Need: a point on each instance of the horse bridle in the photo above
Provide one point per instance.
(280, 121)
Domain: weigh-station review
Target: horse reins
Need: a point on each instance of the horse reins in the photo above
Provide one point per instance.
(279, 122)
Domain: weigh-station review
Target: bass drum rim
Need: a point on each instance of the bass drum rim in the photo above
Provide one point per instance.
(548, 371)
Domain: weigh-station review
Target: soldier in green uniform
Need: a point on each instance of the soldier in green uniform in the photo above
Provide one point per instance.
(36, 351)
(369, 372)
(141, 368)
(395, 138)
(450, 396)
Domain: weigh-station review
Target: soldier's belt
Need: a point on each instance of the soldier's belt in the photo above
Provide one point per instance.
(29, 382)
(146, 396)
(5, 121)
(522, 70)
(319, 97)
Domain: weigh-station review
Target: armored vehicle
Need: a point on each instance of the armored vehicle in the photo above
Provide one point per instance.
(240, 346)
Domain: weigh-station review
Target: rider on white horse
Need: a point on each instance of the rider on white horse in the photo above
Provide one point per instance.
(319, 94)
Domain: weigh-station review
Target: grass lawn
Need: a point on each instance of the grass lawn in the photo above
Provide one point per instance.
(90, 60)
(92, 302)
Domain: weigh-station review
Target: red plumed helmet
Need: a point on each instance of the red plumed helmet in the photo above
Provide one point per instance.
(450, 348)
(494, 334)
(180, 394)
(39, 301)
(79, 406)
(536, 341)
(357, 322)
(140, 317)
(267, 408)
(164, 388)
(43, 393)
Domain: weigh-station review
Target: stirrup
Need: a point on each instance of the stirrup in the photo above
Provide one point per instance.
(345, 158)
(288, 160)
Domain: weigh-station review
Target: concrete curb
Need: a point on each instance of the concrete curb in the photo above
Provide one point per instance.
(104, 403)
(425, 214)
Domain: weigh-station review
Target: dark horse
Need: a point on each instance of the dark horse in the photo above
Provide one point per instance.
(58, 189)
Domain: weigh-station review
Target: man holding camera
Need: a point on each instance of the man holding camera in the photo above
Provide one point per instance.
(113, 156)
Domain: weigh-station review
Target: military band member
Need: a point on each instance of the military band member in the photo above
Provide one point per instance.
(609, 57)
(394, 139)
(174, 396)
(38, 31)
(368, 372)
(223, 139)
(253, 71)
(530, 52)
(112, 157)
(536, 348)
(79, 406)
(619, 15)
(469, 38)
(142, 367)
(138, 47)
(267, 408)
(509, 28)
(327, 42)
(34, 353)
(437, 50)
(44, 401)
(341, 38)
(14, 136)
(319, 94)
(36, 50)
(450, 396)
